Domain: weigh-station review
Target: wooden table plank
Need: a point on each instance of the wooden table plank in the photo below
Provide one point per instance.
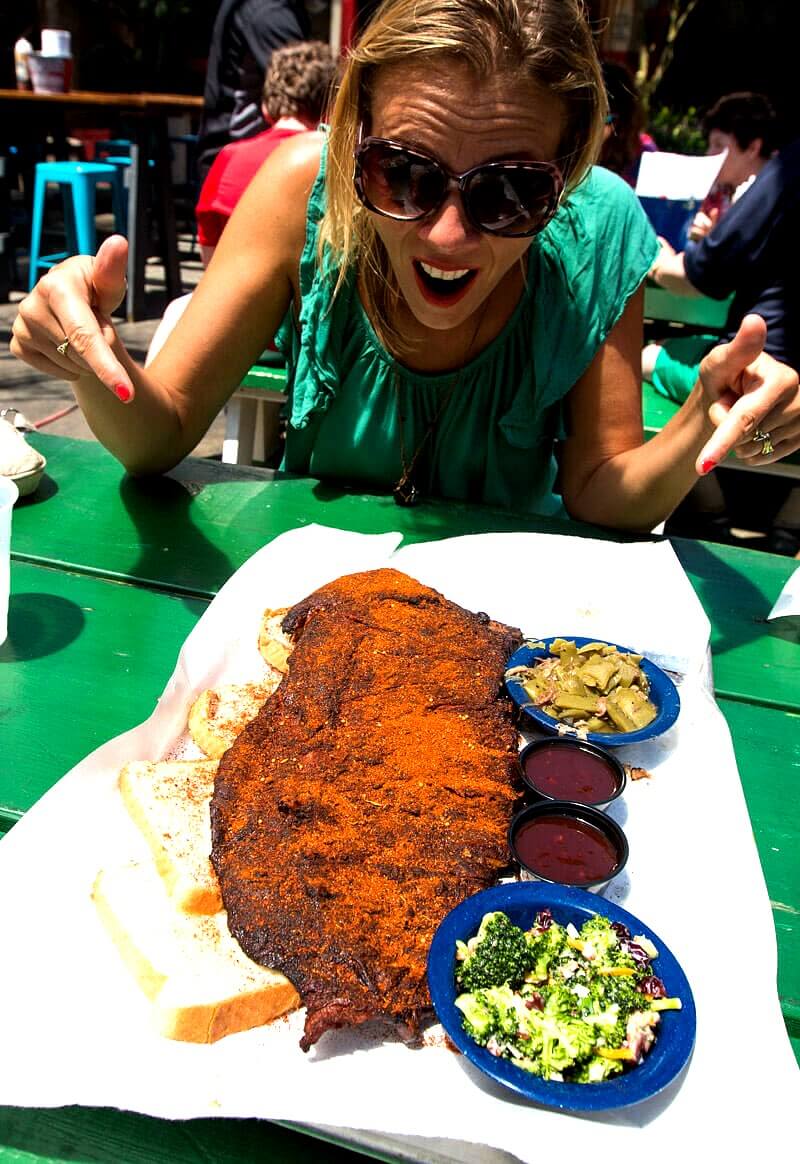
(189, 532)
(85, 660)
(106, 1136)
(767, 745)
(700, 311)
(755, 661)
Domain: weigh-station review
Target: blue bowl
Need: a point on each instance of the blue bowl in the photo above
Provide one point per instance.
(663, 694)
(521, 901)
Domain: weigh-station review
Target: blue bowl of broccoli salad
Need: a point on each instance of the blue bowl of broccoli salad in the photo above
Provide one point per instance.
(562, 997)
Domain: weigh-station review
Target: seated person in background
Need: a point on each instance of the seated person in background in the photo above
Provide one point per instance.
(750, 254)
(457, 289)
(297, 87)
(245, 34)
(745, 125)
(624, 139)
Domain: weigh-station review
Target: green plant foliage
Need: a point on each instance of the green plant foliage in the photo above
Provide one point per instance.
(677, 130)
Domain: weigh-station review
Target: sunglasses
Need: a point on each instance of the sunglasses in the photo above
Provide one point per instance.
(510, 199)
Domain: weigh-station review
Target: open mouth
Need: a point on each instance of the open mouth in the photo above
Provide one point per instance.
(443, 286)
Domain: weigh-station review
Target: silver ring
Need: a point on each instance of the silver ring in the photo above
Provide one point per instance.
(63, 347)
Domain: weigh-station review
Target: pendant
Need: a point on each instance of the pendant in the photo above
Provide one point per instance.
(406, 493)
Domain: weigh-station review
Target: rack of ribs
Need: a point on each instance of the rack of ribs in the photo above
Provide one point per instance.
(370, 795)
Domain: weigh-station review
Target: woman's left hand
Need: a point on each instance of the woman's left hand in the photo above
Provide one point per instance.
(754, 401)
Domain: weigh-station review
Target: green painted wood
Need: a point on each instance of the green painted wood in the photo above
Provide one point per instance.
(85, 660)
(767, 745)
(104, 1136)
(271, 379)
(755, 661)
(190, 531)
(699, 311)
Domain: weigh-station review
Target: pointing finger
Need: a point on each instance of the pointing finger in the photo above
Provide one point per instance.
(88, 346)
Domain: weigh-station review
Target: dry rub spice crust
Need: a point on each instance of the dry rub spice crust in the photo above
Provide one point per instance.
(369, 796)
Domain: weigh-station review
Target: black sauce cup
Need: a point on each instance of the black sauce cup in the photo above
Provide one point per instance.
(548, 770)
(536, 839)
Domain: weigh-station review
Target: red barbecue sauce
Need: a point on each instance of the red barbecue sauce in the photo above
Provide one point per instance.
(570, 774)
(563, 849)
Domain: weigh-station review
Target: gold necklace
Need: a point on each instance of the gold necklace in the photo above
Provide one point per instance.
(406, 492)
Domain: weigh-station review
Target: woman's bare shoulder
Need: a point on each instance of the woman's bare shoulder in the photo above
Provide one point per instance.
(278, 195)
(291, 167)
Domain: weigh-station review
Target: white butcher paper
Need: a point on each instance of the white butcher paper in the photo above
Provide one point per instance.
(76, 1027)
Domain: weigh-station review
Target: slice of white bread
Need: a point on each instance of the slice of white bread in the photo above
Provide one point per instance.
(274, 645)
(202, 986)
(219, 715)
(169, 801)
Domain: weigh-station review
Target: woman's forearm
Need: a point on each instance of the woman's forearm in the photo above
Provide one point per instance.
(145, 435)
(639, 488)
(669, 272)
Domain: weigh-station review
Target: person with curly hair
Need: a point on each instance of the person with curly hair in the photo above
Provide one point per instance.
(297, 88)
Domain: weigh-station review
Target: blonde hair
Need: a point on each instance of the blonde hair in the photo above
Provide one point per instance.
(547, 42)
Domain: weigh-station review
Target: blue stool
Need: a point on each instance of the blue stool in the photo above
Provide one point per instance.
(78, 182)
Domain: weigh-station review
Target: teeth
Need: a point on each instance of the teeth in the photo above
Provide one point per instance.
(438, 273)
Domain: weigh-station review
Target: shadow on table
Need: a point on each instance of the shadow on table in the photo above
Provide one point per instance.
(434, 519)
(106, 1136)
(736, 598)
(170, 544)
(45, 623)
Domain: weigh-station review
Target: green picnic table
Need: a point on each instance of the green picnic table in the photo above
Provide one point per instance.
(109, 575)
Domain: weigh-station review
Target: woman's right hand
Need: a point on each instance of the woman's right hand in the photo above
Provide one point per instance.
(73, 302)
(703, 224)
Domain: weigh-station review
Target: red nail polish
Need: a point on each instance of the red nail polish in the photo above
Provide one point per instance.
(707, 465)
(123, 392)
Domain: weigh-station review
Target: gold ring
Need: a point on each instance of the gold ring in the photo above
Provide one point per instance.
(63, 347)
(767, 446)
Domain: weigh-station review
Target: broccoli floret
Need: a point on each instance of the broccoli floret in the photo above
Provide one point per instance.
(609, 1024)
(494, 1011)
(566, 1042)
(609, 990)
(498, 954)
(546, 948)
(479, 1018)
(560, 1002)
(600, 941)
(597, 1069)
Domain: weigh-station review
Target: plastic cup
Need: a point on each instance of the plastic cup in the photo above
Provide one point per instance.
(50, 74)
(8, 495)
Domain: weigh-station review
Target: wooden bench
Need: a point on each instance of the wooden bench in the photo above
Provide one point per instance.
(698, 312)
(262, 391)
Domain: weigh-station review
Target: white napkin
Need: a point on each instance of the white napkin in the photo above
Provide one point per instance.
(75, 1026)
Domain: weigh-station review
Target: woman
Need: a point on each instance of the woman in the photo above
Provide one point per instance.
(454, 287)
(624, 138)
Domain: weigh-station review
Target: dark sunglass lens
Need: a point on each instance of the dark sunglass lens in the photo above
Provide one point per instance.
(399, 183)
(512, 200)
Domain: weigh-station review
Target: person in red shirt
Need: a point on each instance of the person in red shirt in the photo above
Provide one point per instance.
(297, 87)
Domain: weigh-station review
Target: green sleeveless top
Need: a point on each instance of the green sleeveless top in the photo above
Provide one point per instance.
(354, 407)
